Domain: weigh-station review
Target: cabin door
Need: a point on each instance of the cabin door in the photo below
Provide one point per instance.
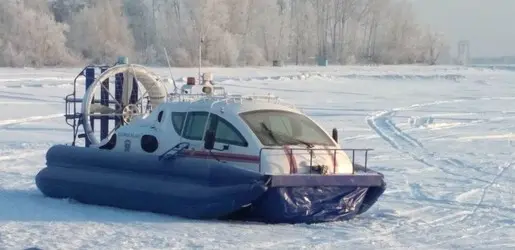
(230, 145)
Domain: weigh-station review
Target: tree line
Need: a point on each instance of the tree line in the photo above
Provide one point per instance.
(230, 32)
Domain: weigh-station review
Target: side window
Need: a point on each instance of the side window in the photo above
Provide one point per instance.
(227, 133)
(160, 116)
(178, 121)
(195, 125)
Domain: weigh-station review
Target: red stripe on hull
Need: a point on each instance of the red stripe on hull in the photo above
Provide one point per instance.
(224, 156)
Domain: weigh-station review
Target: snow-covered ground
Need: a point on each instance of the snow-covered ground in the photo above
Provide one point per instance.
(443, 137)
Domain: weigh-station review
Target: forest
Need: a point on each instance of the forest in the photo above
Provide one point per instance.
(53, 33)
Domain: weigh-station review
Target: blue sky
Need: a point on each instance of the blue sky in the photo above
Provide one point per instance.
(489, 25)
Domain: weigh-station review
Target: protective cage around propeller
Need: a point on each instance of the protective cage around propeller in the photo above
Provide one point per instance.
(118, 96)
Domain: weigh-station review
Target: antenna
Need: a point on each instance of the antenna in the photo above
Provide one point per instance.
(170, 68)
(200, 53)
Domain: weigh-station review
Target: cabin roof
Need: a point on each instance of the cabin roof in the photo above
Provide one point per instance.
(232, 105)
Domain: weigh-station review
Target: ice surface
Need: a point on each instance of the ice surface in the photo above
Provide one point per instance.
(443, 137)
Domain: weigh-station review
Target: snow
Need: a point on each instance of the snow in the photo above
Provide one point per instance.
(443, 137)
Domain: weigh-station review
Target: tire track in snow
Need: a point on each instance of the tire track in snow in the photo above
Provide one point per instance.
(24, 98)
(10, 122)
(20, 162)
(402, 142)
(36, 82)
(21, 150)
(382, 124)
(487, 186)
(20, 154)
(15, 153)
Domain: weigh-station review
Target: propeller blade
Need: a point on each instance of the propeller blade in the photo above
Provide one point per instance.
(102, 109)
(127, 87)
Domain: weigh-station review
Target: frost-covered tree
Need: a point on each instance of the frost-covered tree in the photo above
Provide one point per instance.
(432, 47)
(234, 32)
(140, 15)
(100, 32)
(63, 10)
(29, 35)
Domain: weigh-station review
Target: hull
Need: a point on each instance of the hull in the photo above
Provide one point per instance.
(202, 188)
(314, 199)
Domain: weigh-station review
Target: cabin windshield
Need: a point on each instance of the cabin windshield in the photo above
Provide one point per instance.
(277, 128)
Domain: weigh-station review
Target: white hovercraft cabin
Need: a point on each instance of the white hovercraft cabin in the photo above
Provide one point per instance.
(248, 132)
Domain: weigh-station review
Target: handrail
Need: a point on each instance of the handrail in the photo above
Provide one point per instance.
(185, 145)
(173, 97)
(311, 150)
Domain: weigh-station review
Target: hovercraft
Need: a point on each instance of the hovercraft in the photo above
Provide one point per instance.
(201, 153)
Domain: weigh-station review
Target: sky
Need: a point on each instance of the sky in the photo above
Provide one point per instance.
(488, 25)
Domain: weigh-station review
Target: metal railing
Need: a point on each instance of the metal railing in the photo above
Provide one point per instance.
(311, 152)
(227, 98)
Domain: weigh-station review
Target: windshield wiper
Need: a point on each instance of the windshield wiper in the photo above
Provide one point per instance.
(291, 138)
(269, 132)
(308, 144)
